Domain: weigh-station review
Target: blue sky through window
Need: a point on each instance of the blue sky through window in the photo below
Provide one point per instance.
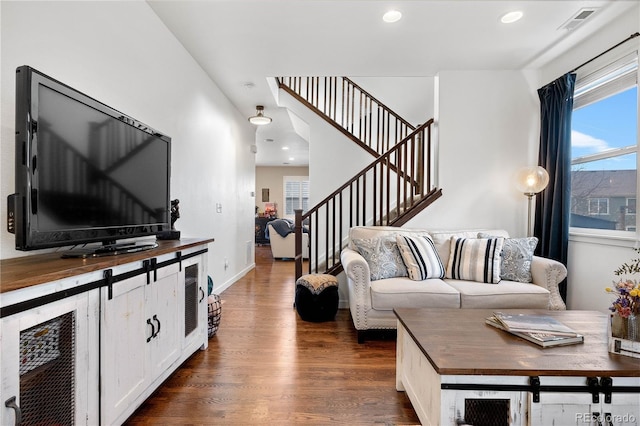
(606, 124)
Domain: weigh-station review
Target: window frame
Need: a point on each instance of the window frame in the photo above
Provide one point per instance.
(294, 179)
(604, 65)
(598, 211)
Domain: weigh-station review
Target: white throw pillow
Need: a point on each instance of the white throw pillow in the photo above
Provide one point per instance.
(420, 257)
(475, 259)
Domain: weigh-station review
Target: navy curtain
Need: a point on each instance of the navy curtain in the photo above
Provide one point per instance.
(553, 205)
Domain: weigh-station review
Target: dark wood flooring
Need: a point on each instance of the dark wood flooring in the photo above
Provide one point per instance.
(267, 366)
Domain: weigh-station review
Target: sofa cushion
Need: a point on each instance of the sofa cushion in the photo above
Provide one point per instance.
(504, 295)
(382, 256)
(405, 293)
(442, 239)
(420, 257)
(475, 259)
(517, 254)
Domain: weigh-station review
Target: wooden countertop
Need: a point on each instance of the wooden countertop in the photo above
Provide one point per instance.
(457, 341)
(26, 271)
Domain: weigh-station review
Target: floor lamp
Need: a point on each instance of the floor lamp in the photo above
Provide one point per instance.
(530, 181)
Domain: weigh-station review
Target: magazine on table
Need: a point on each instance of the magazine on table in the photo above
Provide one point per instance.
(533, 323)
(541, 338)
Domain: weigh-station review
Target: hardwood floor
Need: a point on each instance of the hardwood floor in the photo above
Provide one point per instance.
(267, 366)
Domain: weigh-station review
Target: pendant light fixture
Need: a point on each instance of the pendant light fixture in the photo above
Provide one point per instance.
(259, 119)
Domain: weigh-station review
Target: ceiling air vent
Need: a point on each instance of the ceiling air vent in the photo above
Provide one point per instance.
(577, 19)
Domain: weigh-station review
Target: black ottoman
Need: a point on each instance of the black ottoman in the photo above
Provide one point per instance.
(317, 297)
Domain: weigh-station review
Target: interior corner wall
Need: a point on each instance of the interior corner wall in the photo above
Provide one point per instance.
(487, 125)
(333, 158)
(123, 55)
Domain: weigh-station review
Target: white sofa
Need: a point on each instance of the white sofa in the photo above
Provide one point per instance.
(285, 247)
(372, 302)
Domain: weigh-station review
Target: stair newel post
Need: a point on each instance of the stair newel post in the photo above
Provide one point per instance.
(298, 242)
(420, 169)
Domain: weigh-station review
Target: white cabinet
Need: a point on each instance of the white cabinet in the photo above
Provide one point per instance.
(194, 314)
(122, 346)
(49, 364)
(106, 332)
(163, 308)
(623, 408)
(143, 332)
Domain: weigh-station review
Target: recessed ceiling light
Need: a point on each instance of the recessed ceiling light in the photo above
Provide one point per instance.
(284, 148)
(511, 17)
(392, 16)
(291, 158)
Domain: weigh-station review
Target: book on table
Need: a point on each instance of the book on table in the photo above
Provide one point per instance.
(533, 323)
(547, 337)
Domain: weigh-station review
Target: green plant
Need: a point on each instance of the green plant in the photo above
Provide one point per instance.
(629, 268)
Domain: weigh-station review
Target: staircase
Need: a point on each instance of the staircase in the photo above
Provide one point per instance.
(391, 190)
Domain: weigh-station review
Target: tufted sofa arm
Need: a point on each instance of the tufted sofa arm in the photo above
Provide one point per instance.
(358, 275)
(548, 273)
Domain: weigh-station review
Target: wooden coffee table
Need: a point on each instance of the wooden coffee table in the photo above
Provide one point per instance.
(457, 369)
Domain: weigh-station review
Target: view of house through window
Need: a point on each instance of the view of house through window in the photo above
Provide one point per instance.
(296, 194)
(604, 147)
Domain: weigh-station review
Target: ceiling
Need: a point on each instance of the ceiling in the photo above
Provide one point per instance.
(240, 43)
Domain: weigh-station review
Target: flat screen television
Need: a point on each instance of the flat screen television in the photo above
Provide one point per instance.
(84, 172)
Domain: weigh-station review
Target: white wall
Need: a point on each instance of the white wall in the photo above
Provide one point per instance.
(486, 122)
(333, 159)
(123, 55)
(410, 97)
(592, 259)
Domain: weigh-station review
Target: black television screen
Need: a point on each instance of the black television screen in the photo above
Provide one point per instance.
(85, 172)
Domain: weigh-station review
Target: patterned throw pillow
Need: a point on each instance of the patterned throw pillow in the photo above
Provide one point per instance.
(383, 257)
(517, 254)
(420, 257)
(475, 259)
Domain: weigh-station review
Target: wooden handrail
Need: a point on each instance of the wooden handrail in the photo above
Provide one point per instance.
(350, 109)
(409, 125)
(389, 191)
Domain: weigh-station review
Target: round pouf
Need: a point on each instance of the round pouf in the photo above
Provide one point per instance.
(317, 297)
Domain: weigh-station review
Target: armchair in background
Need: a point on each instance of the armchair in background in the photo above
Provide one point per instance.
(283, 240)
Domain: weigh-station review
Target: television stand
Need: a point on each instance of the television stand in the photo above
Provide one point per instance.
(108, 250)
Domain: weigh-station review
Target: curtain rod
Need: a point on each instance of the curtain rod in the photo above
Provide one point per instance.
(631, 37)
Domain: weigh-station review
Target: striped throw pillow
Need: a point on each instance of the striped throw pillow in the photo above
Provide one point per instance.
(420, 257)
(475, 259)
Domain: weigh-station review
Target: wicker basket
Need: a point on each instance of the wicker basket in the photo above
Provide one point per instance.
(215, 312)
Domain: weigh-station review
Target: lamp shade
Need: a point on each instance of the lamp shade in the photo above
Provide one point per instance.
(259, 119)
(531, 180)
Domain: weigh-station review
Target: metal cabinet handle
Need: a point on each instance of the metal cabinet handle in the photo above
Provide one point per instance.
(201, 292)
(153, 330)
(11, 403)
(155, 318)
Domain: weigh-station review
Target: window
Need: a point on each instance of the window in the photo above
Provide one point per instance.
(598, 206)
(631, 206)
(604, 145)
(296, 194)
